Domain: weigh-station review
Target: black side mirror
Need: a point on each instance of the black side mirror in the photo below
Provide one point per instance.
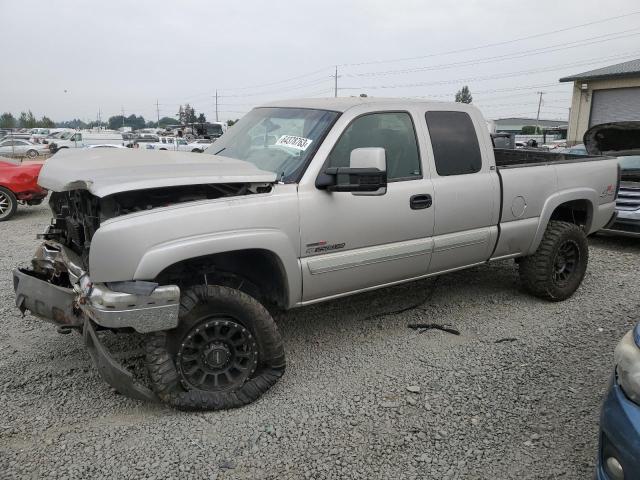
(366, 174)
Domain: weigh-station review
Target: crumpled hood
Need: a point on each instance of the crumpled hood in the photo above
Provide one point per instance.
(105, 171)
(615, 139)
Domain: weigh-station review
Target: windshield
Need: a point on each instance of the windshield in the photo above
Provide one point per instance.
(629, 163)
(279, 140)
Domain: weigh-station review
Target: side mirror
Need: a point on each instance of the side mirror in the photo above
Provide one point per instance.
(365, 175)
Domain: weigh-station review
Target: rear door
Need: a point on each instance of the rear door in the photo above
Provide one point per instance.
(466, 189)
(351, 242)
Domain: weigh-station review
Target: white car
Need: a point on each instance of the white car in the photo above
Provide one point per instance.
(168, 143)
(15, 147)
(199, 145)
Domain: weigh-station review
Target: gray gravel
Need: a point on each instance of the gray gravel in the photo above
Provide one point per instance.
(363, 397)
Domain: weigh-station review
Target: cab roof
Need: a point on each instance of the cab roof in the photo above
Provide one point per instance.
(342, 104)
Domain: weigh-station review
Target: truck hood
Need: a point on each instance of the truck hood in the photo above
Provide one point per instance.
(615, 139)
(105, 171)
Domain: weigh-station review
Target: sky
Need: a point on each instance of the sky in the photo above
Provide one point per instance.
(72, 59)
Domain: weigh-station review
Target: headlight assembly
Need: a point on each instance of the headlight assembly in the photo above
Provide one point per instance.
(627, 357)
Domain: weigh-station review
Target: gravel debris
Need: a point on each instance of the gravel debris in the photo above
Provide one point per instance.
(526, 407)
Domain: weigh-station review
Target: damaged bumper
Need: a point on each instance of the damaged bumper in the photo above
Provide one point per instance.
(59, 291)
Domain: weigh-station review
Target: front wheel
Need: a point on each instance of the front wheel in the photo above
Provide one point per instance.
(557, 268)
(32, 153)
(225, 353)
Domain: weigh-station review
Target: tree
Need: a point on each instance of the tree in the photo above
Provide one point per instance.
(7, 120)
(165, 121)
(464, 95)
(75, 123)
(531, 130)
(202, 119)
(27, 120)
(46, 122)
(181, 115)
(232, 122)
(115, 122)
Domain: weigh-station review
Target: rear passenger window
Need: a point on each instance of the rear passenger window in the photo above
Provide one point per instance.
(392, 131)
(455, 143)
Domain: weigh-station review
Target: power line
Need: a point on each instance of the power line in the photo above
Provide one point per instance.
(508, 56)
(496, 76)
(496, 44)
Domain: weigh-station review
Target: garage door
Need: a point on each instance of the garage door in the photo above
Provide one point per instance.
(615, 105)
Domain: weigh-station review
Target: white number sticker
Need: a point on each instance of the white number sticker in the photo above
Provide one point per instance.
(299, 143)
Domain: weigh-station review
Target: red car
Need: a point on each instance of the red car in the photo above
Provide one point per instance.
(18, 184)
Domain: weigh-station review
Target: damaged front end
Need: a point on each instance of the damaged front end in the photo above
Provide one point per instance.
(58, 290)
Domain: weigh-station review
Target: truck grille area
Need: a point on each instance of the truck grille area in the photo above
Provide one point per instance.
(628, 196)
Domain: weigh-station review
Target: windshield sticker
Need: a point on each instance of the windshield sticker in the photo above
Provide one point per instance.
(299, 143)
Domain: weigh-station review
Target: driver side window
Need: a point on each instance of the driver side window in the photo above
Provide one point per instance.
(392, 131)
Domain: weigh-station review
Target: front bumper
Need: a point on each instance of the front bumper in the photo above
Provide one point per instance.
(619, 433)
(153, 308)
(74, 302)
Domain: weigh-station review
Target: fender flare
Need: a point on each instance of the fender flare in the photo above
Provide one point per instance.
(276, 242)
(557, 199)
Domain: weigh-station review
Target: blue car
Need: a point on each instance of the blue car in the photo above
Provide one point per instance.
(619, 449)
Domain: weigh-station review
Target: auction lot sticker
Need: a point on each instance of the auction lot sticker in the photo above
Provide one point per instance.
(299, 143)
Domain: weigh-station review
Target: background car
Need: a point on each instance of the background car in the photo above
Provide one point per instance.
(200, 144)
(13, 147)
(619, 446)
(18, 184)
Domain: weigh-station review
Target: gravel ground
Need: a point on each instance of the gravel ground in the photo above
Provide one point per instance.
(363, 397)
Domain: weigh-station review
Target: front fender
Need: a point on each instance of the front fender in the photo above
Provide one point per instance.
(166, 254)
(557, 199)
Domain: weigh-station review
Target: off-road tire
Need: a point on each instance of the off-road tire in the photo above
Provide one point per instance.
(9, 204)
(537, 272)
(197, 305)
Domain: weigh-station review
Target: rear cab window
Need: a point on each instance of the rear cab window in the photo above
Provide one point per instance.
(454, 141)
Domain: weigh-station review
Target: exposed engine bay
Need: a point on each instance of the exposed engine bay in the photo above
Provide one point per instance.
(77, 214)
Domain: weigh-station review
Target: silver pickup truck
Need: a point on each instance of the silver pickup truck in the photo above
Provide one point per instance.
(302, 201)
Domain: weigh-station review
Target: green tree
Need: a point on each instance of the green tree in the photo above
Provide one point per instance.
(46, 122)
(165, 121)
(464, 95)
(115, 122)
(7, 120)
(202, 119)
(27, 120)
(531, 130)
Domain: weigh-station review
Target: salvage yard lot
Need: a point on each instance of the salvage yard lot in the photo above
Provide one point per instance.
(515, 395)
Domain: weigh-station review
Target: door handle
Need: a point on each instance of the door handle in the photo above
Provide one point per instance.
(420, 202)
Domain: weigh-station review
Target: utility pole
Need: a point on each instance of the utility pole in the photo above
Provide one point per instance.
(335, 82)
(538, 115)
(122, 117)
(216, 104)
(158, 112)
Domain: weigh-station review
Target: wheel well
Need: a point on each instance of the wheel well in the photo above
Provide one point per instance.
(257, 272)
(578, 212)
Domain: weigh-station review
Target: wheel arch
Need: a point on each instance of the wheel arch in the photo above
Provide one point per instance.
(574, 206)
(262, 269)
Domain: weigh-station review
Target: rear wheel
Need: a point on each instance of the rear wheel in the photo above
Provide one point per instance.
(32, 153)
(557, 268)
(225, 353)
(8, 204)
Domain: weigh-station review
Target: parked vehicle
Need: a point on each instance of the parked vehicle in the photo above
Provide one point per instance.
(81, 139)
(18, 184)
(21, 148)
(619, 445)
(200, 145)
(621, 139)
(301, 202)
(169, 143)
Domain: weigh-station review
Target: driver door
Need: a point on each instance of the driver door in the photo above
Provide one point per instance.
(352, 242)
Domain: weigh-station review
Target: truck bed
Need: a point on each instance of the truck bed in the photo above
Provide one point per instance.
(514, 158)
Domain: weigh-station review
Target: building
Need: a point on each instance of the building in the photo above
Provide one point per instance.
(514, 125)
(609, 94)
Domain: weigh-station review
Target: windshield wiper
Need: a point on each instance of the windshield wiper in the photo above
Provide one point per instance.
(221, 150)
